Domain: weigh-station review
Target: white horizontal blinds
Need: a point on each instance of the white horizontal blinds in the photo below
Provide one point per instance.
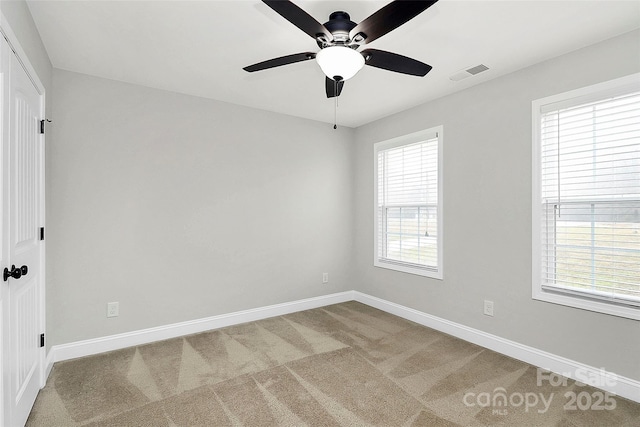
(407, 204)
(591, 199)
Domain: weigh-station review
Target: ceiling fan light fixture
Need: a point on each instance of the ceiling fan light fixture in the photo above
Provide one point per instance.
(340, 61)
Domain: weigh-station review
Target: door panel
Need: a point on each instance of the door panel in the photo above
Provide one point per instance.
(24, 167)
(26, 357)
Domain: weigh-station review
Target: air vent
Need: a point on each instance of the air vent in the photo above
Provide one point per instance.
(477, 69)
(468, 72)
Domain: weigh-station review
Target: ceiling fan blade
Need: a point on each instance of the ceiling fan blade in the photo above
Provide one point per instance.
(394, 62)
(331, 85)
(277, 62)
(299, 18)
(388, 18)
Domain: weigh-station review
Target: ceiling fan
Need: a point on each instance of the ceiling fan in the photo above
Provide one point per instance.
(339, 38)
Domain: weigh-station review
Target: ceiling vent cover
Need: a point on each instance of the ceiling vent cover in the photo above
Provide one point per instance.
(468, 72)
(477, 69)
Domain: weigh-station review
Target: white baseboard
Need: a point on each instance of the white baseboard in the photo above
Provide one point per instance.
(599, 378)
(89, 347)
(621, 386)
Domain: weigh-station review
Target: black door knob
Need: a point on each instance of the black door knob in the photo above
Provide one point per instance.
(15, 273)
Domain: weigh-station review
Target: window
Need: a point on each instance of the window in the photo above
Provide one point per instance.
(586, 198)
(408, 203)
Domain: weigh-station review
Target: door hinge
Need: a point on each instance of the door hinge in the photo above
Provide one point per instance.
(41, 233)
(41, 340)
(41, 126)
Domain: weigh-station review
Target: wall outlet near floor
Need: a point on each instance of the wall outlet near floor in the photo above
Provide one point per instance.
(488, 307)
(325, 277)
(113, 309)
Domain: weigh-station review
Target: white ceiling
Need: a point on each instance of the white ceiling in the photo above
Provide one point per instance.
(200, 47)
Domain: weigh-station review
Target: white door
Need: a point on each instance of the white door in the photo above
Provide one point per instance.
(5, 64)
(21, 206)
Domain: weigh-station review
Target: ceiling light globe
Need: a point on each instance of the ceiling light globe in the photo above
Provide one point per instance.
(340, 61)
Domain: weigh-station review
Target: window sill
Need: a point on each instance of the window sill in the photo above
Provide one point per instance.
(618, 310)
(434, 274)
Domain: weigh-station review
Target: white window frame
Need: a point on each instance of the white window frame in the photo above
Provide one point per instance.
(412, 138)
(587, 94)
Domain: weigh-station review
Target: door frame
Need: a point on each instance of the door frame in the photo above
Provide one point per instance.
(14, 44)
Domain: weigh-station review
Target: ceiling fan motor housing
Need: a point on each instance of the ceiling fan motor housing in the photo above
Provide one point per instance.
(339, 25)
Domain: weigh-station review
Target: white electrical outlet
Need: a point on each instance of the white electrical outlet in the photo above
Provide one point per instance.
(325, 277)
(113, 309)
(488, 307)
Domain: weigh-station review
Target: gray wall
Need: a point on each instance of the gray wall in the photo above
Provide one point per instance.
(487, 212)
(181, 208)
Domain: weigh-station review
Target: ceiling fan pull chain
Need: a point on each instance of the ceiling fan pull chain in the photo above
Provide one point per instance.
(335, 105)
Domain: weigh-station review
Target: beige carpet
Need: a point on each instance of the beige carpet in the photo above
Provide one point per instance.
(342, 365)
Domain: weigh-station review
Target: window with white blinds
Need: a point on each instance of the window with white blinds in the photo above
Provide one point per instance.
(408, 235)
(587, 214)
